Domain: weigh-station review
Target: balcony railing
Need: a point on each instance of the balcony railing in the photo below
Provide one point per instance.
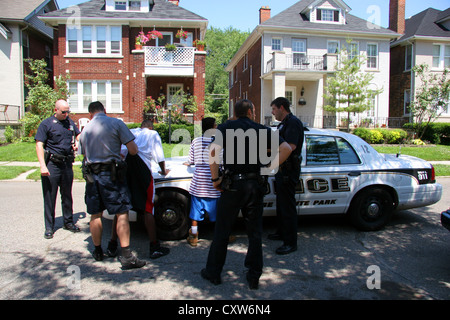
(300, 62)
(160, 56)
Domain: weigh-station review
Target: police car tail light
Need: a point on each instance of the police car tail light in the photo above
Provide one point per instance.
(433, 174)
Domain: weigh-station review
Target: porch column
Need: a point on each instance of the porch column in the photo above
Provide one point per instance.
(278, 84)
(137, 86)
(199, 84)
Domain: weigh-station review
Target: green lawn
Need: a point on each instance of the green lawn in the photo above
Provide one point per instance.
(10, 172)
(429, 153)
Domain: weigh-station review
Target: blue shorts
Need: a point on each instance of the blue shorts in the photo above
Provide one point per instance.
(105, 194)
(201, 206)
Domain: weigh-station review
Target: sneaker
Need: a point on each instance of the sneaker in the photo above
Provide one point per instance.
(112, 250)
(192, 239)
(156, 251)
(131, 263)
(98, 254)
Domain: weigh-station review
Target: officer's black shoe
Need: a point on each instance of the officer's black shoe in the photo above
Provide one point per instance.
(274, 236)
(98, 254)
(214, 281)
(156, 251)
(286, 249)
(48, 234)
(112, 249)
(131, 263)
(253, 283)
(71, 227)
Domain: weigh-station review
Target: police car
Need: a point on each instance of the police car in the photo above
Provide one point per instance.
(340, 174)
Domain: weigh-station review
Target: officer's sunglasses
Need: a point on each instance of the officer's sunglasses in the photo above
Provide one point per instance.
(64, 112)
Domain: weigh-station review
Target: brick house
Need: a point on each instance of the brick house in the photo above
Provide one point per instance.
(293, 53)
(425, 39)
(95, 44)
(22, 36)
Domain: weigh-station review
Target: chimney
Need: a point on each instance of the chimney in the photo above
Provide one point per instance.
(397, 16)
(175, 2)
(264, 14)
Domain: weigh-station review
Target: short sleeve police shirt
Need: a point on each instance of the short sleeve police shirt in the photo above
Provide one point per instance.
(102, 138)
(57, 135)
(245, 154)
(291, 130)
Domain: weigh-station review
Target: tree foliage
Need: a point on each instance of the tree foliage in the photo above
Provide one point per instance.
(431, 98)
(222, 46)
(41, 97)
(348, 90)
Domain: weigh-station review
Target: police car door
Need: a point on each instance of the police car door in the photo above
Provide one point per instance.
(326, 181)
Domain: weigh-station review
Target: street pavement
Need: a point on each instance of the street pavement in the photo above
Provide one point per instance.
(409, 259)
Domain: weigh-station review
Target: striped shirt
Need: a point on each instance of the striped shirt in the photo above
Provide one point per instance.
(201, 185)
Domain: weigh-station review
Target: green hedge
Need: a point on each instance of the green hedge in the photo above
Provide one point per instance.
(379, 136)
(163, 130)
(437, 132)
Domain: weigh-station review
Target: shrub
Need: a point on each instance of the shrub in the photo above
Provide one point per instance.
(394, 136)
(370, 136)
(437, 132)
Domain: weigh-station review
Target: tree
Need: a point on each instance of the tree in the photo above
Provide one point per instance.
(348, 90)
(431, 98)
(222, 46)
(41, 97)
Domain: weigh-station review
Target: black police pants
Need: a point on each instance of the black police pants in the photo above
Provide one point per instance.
(61, 176)
(285, 182)
(247, 196)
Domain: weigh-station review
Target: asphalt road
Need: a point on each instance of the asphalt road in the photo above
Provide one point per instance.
(409, 259)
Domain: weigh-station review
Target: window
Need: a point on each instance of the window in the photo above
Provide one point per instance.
(372, 55)
(406, 102)
(135, 5)
(408, 57)
(82, 93)
(327, 15)
(250, 80)
(299, 52)
(353, 50)
(166, 39)
(245, 64)
(94, 40)
(101, 39)
(48, 57)
(276, 44)
(87, 39)
(326, 150)
(120, 5)
(188, 42)
(25, 45)
(441, 56)
(174, 93)
(333, 46)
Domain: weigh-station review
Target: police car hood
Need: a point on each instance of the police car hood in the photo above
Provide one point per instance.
(176, 167)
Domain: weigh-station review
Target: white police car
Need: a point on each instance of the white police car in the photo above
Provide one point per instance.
(341, 174)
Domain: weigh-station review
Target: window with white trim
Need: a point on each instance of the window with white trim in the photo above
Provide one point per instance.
(83, 92)
(276, 44)
(332, 46)
(408, 57)
(353, 50)
(372, 55)
(406, 102)
(441, 56)
(328, 15)
(94, 40)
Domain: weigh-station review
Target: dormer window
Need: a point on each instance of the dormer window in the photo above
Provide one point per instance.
(129, 5)
(327, 15)
(120, 5)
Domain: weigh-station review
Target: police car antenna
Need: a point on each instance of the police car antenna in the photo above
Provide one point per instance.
(399, 151)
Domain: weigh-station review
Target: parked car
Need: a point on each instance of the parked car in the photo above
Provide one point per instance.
(341, 174)
(445, 219)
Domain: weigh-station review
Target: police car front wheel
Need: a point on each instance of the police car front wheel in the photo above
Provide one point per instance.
(171, 214)
(371, 209)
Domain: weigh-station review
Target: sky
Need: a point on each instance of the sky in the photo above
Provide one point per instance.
(244, 14)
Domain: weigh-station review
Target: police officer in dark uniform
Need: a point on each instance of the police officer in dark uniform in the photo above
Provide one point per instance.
(287, 177)
(242, 187)
(56, 141)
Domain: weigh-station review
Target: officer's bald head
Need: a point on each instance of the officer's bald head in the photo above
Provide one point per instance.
(61, 104)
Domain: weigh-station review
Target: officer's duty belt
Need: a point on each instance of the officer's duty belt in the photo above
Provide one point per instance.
(245, 176)
(96, 168)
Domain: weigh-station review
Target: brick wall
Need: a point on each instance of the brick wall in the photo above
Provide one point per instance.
(199, 85)
(400, 80)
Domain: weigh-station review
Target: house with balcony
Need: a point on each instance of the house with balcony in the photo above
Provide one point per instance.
(425, 40)
(22, 36)
(95, 44)
(294, 52)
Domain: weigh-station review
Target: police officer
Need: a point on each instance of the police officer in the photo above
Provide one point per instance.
(56, 141)
(242, 188)
(105, 176)
(287, 177)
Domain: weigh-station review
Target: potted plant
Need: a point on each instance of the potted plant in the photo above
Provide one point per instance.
(140, 40)
(200, 44)
(181, 34)
(170, 47)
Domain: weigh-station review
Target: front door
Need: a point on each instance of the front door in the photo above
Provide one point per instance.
(290, 95)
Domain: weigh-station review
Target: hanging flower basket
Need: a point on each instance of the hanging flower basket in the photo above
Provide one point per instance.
(140, 40)
(181, 34)
(154, 34)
